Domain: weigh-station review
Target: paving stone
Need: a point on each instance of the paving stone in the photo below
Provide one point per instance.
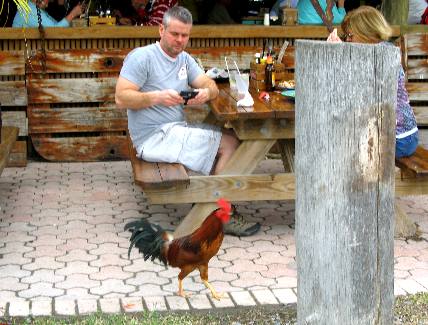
(41, 289)
(410, 286)
(109, 260)
(285, 296)
(243, 298)
(65, 307)
(44, 262)
(13, 271)
(77, 244)
(87, 306)
(14, 258)
(79, 293)
(112, 286)
(265, 297)
(199, 301)
(155, 303)
(110, 272)
(76, 255)
(78, 281)
(15, 247)
(3, 304)
(77, 267)
(132, 304)
(177, 303)
(224, 302)
(11, 283)
(41, 307)
(144, 278)
(19, 307)
(152, 289)
(110, 305)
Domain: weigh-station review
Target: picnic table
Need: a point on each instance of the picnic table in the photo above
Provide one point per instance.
(258, 127)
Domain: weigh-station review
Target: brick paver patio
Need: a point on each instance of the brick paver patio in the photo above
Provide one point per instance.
(63, 250)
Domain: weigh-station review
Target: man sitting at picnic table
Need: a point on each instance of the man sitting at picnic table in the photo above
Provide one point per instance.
(149, 87)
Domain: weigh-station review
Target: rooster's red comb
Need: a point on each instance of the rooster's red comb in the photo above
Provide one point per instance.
(224, 205)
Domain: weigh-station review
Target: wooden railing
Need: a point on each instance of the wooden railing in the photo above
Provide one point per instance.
(206, 42)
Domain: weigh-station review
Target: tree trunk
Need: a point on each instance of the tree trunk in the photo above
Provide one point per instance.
(345, 135)
(396, 12)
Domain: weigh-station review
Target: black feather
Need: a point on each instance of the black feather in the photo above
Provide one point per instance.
(147, 238)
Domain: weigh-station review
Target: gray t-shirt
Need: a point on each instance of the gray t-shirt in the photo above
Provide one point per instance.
(152, 69)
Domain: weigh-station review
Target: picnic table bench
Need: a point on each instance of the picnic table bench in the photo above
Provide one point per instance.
(9, 134)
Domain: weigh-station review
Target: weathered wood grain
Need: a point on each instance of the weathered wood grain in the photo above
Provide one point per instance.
(83, 60)
(13, 93)
(418, 91)
(80, 148)
(233, 187)
(79, 90)
(18, 119)
(18, 155)
(12, 63)
(345, 182)
(417, 43)
(8, 138)
(76, 119)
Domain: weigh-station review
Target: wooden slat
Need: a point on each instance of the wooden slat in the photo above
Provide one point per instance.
(151, 175)
(83, 60)
(421, 113)
(13, 93)
(18, 155)
(12, 63)
(76, 119)
(8, 138)
(417, 44)
(79, 90)
(263, 129)
(418, 91)
(210, 188)
(416, 163)
(90, 148)
(417, 69)
(16, 118)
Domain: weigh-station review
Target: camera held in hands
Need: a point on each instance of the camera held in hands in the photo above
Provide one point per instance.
(188, 94)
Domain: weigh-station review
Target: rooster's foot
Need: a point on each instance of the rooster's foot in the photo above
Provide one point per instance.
(183, 294)
(217, 295)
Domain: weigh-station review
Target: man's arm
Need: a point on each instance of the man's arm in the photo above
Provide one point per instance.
(129, 96)
(207, 89)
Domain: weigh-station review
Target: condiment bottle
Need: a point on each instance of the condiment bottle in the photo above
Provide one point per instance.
(257, 58)
(269, 74)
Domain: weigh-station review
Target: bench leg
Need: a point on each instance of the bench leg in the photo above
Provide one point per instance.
(243, 162)
(404, 226)
(286, 147)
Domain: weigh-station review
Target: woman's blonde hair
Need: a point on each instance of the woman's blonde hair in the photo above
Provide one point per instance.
(368, 24)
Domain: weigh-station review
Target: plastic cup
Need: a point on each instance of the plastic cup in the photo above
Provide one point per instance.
(232, 79)
(242, 82)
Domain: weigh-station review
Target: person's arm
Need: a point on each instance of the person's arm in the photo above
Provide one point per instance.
(207, 90)
(129, 96)
(339, 12)
(75, 12)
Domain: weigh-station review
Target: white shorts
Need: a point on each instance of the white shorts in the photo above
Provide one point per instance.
(193, 145)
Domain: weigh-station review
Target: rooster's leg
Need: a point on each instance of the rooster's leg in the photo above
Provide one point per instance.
(203, 271)
(183, 273)
(215, 294)
(181, 292)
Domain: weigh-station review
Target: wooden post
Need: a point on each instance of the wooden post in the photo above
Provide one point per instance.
(396, 12)
(345, 136)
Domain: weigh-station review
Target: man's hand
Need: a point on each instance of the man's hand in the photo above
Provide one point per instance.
(169, 97)
(202, 97)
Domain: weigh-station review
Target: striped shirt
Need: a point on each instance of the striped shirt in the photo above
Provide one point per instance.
(157, 10)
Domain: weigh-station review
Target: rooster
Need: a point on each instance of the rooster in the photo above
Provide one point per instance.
(188, 253)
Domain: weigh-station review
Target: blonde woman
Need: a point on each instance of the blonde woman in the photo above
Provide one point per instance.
(367, 25)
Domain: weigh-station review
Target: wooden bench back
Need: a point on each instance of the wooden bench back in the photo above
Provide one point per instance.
(71, 109)
(13, 101)
(415, 63)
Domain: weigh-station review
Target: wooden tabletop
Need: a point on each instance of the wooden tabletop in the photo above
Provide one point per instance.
(225, 106)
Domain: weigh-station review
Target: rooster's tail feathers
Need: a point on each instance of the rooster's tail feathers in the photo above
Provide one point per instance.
(147, 238)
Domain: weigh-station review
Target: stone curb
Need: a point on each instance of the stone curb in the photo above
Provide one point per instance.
(80, 307)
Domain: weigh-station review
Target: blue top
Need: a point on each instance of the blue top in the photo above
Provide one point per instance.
(47, 21)
(307, 14)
